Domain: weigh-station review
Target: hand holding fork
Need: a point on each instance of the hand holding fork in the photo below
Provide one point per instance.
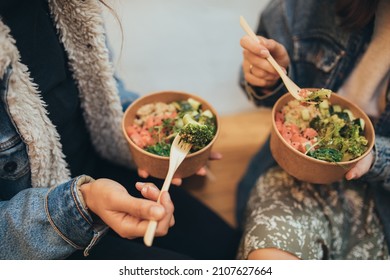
(179, 150)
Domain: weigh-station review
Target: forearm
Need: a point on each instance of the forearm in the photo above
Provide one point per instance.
(42, 223)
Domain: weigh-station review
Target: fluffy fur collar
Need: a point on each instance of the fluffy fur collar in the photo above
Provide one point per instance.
(80, 26)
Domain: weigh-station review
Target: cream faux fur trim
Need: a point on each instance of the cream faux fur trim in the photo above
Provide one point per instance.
(47, 164)
(80, 24)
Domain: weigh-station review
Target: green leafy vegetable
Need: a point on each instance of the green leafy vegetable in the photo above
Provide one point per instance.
(340, 132)
(160, 148)
(327, 154)
(198, 133)
(318, 95)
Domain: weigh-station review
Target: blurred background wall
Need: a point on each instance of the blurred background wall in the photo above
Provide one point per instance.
(185, 45)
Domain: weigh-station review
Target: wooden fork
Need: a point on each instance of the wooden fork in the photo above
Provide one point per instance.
(290, 85)
(179, 150)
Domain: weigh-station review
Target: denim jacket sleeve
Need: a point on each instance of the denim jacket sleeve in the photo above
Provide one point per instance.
(321, 55)
(380, 170)
(47, 223)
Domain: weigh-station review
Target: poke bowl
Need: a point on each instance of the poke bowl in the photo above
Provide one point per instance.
(319, 143)
(150, 123)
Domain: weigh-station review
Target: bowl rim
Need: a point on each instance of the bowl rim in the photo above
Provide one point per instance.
(156, 93)
(369, 124)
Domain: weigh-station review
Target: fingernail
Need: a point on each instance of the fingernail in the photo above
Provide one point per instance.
(176, 181)
(202, 172)
(140, 186)
(351, 176)
(157, 211)
(143, 174)
(264, 52)
(144, 189)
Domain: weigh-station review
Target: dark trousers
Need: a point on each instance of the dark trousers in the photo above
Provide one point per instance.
(198, 233)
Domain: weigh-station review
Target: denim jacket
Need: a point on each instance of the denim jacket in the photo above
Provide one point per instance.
(42, 214)
(322, 56)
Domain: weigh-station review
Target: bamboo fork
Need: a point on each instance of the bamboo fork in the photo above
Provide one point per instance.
(179, 150)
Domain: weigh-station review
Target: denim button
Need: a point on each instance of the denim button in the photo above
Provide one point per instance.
(10, 167)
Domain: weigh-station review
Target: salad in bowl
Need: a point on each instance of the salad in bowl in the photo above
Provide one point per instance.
(319, 141)
(151, 123)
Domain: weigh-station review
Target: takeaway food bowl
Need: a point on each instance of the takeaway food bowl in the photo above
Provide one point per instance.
(309, 169)
(157, 166)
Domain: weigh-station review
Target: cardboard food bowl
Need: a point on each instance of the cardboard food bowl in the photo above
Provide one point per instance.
(309, 169)
(157, 166)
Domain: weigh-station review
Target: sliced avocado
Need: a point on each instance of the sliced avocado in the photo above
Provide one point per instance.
(207, 113)
(194, 103)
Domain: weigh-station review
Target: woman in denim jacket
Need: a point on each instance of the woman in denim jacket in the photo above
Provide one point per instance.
(60, 118)
(348, 52)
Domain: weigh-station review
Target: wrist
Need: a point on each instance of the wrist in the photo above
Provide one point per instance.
(82, 187)
(83, 191)
(260, 93)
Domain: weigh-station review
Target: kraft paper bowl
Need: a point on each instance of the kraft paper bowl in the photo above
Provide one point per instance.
(155, 165)
(306, 168)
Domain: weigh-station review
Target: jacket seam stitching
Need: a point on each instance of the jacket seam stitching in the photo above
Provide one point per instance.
(54, 225)
(77, 204)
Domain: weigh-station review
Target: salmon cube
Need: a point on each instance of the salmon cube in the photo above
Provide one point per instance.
(138, 140)
(296, 145)
(309, 133)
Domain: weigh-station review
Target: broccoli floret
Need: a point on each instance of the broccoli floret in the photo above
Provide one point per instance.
(350, 130)
(336, 142)
(357, 146)
(210, 122)
(196, 133)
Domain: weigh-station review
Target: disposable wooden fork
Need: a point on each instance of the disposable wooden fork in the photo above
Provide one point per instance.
(179, 150)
